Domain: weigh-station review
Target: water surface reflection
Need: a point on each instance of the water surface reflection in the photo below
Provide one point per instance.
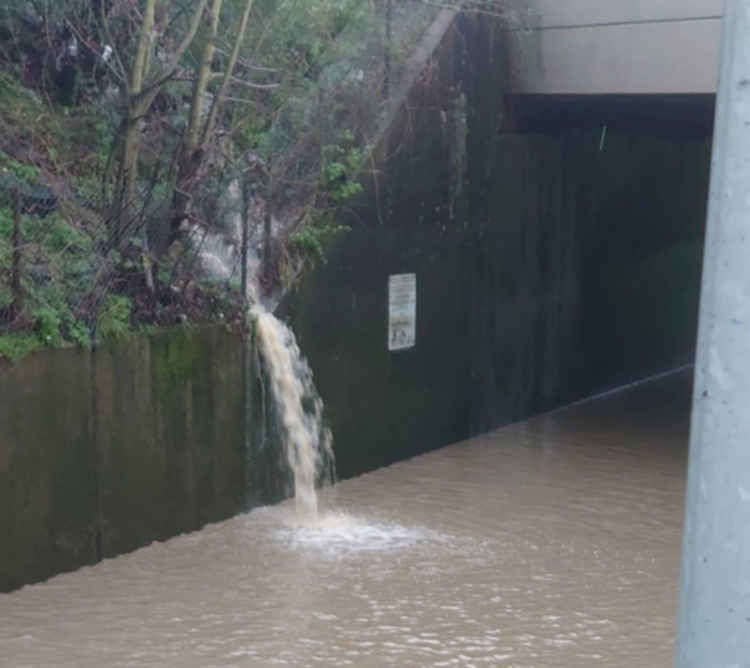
(554, 542)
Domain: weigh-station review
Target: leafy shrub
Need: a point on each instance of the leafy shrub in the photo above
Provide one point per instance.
(312, 239)
(48, 323)
(114, 320)
(16, 346)
(339, 174)
(76, 331)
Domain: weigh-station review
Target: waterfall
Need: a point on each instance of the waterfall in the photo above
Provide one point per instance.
(306, 440)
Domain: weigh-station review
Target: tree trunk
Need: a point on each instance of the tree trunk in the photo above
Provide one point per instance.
(127, 181)
(197, 139)
(191, 152)
(140, 92)
(228, 73)
(192, 137)
(125, 206)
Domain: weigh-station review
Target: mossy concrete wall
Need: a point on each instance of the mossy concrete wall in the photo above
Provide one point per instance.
(48, 482)
(552, 260)
(103, 452)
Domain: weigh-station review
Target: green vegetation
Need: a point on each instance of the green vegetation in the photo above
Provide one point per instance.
(114, 319)
(19, 345)
(123, 126)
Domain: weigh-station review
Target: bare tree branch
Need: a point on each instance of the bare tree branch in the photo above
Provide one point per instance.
(150, 91)
(212, 115)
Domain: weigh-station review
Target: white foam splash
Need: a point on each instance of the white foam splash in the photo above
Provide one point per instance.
(338, 533)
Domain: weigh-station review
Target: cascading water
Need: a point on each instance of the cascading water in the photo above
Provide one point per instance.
(307, 441)
(305, 438)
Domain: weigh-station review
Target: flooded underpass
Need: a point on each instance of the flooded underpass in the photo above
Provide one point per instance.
(552, 542)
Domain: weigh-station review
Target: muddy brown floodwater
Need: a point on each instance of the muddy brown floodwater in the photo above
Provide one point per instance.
(550, 543)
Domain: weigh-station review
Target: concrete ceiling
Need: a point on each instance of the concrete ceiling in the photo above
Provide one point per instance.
(579, 47)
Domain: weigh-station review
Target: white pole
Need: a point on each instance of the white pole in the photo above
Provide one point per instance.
(714, 620)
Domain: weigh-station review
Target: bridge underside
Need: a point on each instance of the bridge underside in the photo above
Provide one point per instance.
(588, 47)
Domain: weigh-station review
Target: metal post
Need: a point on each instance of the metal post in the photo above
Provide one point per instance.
(714, 621)
(245, 225)
(16, 291)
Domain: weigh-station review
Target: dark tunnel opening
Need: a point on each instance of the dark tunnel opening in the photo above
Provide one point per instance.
(643, 167)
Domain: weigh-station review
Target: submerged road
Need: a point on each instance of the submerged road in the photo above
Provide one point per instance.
(549, 543)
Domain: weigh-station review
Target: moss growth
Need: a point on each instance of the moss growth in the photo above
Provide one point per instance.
(179, 352)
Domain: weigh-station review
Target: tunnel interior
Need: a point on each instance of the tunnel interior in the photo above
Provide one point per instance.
(674, 115)
(643, 164)
(557, 243)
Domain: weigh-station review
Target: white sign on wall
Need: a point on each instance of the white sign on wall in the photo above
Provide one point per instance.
(402, 311)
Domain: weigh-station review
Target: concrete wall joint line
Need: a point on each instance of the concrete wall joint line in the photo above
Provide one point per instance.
(613, 24)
